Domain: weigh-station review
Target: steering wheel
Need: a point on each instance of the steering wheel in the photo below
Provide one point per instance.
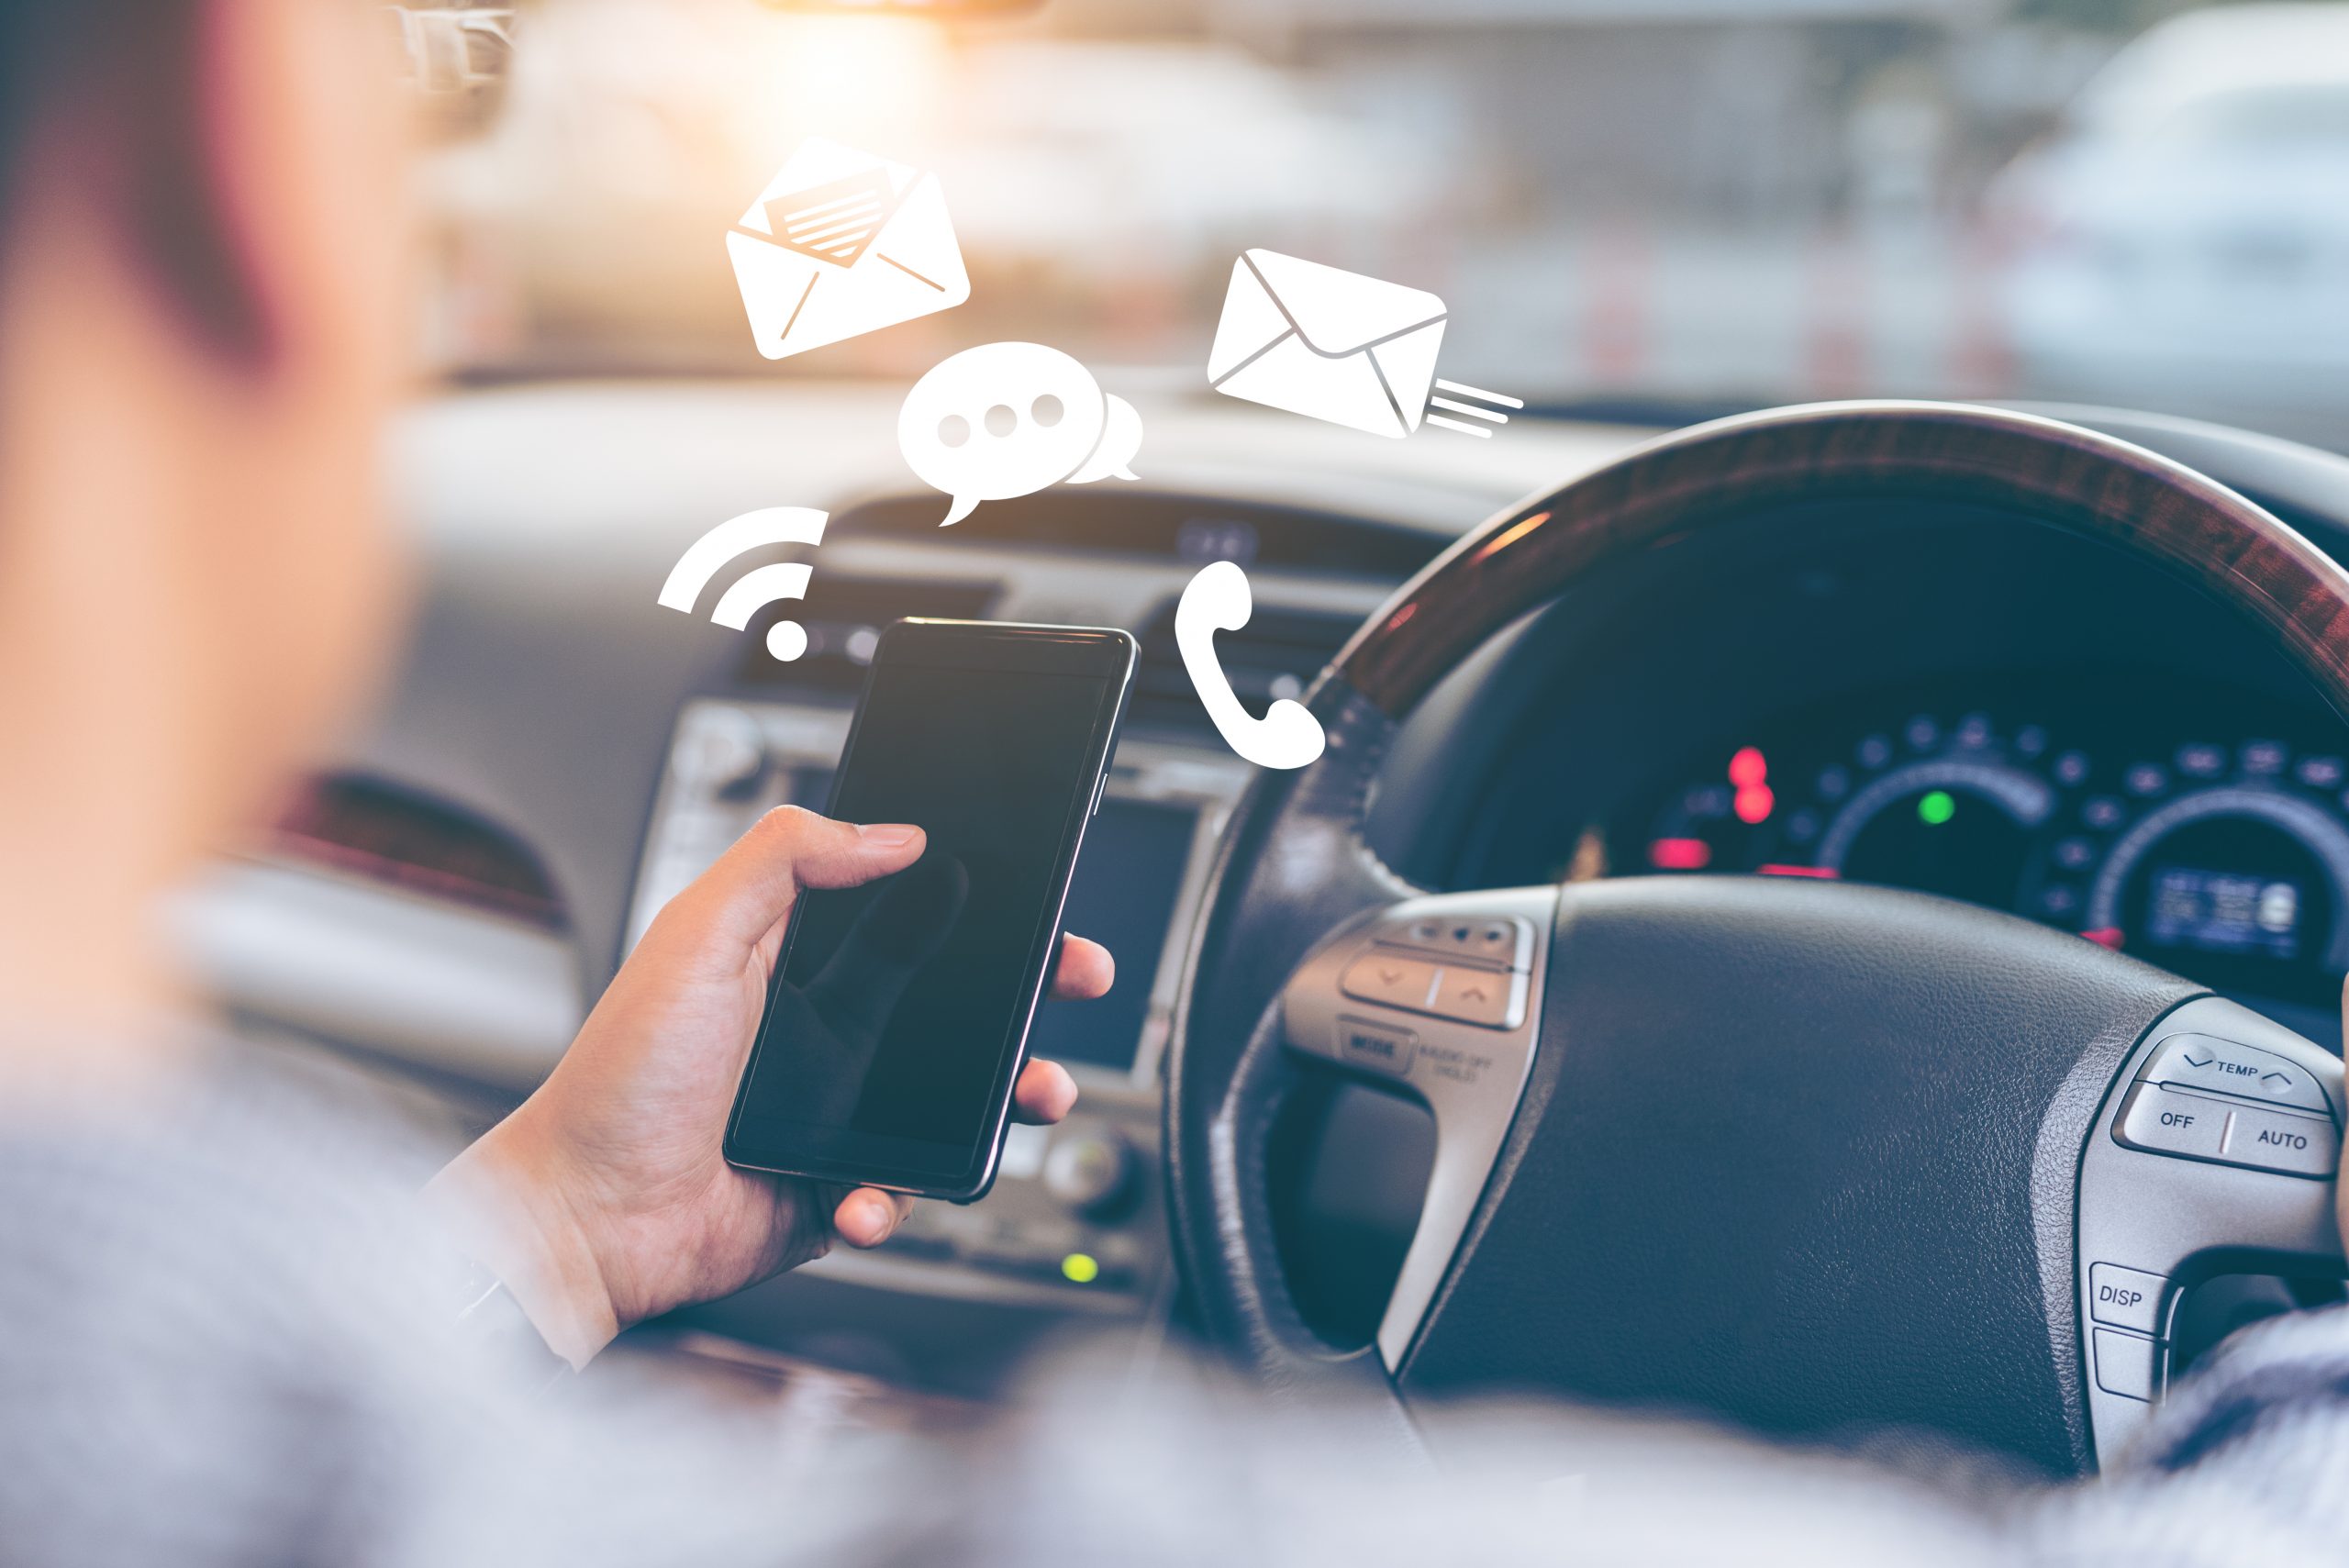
(1808, 1156)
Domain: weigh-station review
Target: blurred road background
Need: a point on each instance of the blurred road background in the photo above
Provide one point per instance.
(1665, 207)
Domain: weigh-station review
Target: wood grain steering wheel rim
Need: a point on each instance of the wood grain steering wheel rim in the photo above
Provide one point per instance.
(1295, 866)
(2061, 475)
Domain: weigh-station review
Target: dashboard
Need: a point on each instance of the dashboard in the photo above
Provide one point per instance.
(1956, 703)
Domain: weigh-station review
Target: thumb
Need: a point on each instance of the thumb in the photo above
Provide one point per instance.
(753, 884)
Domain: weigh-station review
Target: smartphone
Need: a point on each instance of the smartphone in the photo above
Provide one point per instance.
(897, 1018)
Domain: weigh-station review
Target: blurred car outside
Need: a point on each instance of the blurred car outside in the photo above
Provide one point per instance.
(2183, 239)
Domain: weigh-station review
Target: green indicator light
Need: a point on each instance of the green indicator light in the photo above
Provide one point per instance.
(1938, 807)
(1079, 1268)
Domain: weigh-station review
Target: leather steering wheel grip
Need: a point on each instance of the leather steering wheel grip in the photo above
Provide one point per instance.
(1295, 865)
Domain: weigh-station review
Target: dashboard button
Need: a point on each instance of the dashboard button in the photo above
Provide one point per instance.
(2206, 1062)
(2124, 1364)
(2126, 1298)
(2278, 1140)
(1093, 1173)
(1392, 979)
(1480, 996)
(2167, 1122)
(1376, 1047)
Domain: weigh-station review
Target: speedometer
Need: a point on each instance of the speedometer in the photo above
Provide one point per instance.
(1957, 824)
(2237, 875)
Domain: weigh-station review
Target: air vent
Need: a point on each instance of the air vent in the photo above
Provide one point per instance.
(389, 833)
(844, 615)
(1276, 654)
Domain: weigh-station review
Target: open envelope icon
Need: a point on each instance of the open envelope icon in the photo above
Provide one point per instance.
(1330, 344)
(841, 243)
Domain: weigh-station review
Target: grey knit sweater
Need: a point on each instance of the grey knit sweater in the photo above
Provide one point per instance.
(226, 1338)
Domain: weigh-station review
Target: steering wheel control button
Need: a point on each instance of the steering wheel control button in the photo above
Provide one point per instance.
(2124, 1364)
(1484, 997)
(2277, 1140)
(2205, 1062)
(1376, 1047)
(2167, 1122)
(2126, 1298)
(1505, 940)
(2205, 1126)
(1392, 980)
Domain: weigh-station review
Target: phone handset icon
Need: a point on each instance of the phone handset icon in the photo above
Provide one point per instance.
(1217, 600)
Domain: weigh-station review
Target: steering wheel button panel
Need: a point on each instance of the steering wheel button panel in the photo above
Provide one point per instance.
(2211, 1098)
(1465, 1058)
(2125, 1298)
(2204, 1061)
(2124, 1364)
(2245, 1187)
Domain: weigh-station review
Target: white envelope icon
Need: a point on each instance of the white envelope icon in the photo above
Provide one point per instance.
(841, 243)
(1327, 343)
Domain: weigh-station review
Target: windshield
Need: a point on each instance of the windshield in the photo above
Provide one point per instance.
(1649, 210)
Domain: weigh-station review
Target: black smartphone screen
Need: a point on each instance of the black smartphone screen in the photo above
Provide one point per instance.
(899, 1008)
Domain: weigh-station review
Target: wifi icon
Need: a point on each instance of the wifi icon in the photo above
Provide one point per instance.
(786, 639)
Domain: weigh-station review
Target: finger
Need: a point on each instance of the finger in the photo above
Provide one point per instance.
(740, 898)
(1045, 1094)
(867, 1216)
(1086, 971)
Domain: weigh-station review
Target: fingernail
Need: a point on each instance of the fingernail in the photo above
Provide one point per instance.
(873, 1220)
(889, 835)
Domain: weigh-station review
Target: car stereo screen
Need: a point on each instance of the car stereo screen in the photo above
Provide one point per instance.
(1124, 897)
(900, 999)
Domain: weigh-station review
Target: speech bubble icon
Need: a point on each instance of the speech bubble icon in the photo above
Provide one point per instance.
(1008, 419)
(1121, 440)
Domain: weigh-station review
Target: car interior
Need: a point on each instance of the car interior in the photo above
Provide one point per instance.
(1826, 902)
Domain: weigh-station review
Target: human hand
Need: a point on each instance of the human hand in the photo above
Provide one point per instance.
(605, 1199)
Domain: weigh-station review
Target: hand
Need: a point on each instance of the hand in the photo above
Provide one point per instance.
(604, 1199)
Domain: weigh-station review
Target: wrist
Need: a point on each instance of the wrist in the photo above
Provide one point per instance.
(507, 1204)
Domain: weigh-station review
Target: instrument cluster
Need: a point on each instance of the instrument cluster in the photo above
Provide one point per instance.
(2209, 838)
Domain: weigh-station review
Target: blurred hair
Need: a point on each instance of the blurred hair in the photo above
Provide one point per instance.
(45, 46)
(130, 72)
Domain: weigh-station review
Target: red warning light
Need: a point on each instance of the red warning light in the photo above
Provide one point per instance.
(1749, 770)
(2105, 937)
(1680, 854)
